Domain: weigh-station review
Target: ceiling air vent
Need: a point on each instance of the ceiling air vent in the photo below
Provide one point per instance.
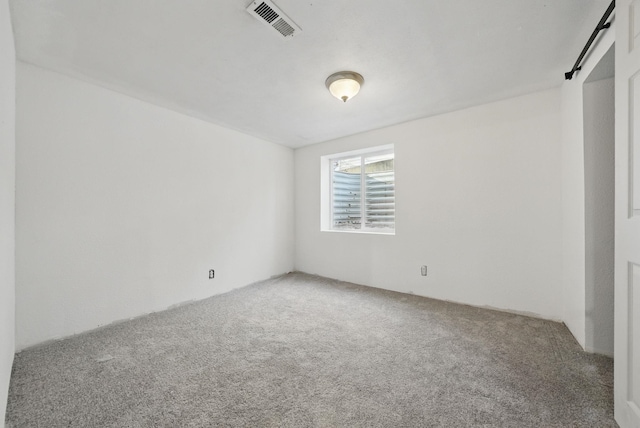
(269, 14)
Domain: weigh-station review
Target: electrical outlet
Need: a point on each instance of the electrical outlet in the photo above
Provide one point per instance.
(423, 270)
(212, 274)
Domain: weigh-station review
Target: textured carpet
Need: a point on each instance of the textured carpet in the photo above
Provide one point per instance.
(304, 351)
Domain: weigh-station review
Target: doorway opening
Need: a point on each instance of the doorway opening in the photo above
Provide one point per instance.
(599, 140)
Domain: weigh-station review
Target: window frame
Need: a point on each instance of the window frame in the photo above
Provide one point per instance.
(327, 211)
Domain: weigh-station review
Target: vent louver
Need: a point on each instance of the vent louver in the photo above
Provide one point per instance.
(269, 14)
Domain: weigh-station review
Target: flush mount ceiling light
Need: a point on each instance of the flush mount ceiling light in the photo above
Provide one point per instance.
(344, 85)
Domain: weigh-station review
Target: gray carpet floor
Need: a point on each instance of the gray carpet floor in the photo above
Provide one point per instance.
(305, 351)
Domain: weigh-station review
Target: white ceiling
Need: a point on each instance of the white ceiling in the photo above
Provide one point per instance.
(213, 60)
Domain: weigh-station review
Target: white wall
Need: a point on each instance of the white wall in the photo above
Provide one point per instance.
(599, 135)
(573, 294)
(123, 207)
(7, 202)
(477, 200)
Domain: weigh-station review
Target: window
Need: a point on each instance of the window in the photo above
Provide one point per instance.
(361, 191)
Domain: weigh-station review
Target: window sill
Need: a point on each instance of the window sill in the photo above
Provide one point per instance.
(361, 232)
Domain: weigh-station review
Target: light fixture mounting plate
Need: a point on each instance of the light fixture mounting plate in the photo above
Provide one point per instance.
(344, 75)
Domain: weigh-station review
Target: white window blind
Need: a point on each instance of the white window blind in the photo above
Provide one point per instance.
(363, 192)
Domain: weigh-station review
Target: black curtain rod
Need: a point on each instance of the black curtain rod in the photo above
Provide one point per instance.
(601, 26)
